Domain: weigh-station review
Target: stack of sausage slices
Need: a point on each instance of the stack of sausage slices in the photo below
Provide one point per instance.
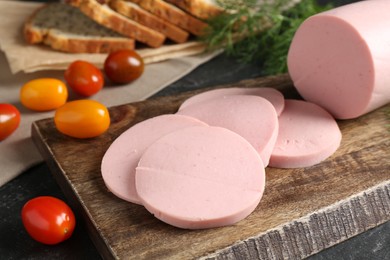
(102, 26)
(204, 166)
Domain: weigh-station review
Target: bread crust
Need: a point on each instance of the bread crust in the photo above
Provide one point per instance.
(58, 41)
(107, 17)
(173, 15)
(73, 45)
(136, 13)
(198, 8)
(30, 33)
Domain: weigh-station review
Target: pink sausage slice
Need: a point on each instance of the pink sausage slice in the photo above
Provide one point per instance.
(307, 135)
(272, 95)
(252, 117)
(339, 59)
(200, 177)
(121, 158)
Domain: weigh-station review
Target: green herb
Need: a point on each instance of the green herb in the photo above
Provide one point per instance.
(251, 32)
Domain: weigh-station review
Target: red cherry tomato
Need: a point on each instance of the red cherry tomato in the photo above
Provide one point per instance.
(9, 120)
(43, 94)
(84, 78)
(123, 66)
(48, 220)
(82, 119)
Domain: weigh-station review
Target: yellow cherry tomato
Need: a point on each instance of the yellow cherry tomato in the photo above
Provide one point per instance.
(82, 118)
(43, 94)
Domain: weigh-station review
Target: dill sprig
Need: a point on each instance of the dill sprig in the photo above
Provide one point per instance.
(250, 31)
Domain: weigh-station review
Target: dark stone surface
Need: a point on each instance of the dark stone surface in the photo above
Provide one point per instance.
(37, 181)
(16, 244)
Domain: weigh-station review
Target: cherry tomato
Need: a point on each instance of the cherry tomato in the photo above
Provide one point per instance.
(43, 94)
(9, 120)
(123, 66)
(84, 78)
(48, 220)
(82, 119)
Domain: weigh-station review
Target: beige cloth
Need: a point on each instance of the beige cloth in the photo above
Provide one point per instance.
(17, 153)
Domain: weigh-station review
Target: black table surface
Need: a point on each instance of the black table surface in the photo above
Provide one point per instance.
(37, 181)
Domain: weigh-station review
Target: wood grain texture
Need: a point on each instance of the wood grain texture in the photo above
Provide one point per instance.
(303, 211)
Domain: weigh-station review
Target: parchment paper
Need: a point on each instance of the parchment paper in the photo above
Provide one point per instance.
(20, 63)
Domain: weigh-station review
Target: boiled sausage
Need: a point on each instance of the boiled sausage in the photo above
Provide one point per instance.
(339, 59)
(308, 134)
(121, 158)
(272, 95)
(200, 177)
(252, 117)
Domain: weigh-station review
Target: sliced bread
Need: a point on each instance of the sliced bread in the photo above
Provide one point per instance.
(104, 15)
(140, 15)
(66, 28)
(173, 15)
(203, 9)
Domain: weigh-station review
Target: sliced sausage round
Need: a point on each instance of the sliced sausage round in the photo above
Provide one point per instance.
(200, 177)
(121, 158)
(252, 117)
(272, 95)
(308, 134)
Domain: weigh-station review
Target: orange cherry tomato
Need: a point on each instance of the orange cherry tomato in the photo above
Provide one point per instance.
(9, 120)
(123, 66)
(48, 220)
(43, 94)
(82, 119)
(84, 78)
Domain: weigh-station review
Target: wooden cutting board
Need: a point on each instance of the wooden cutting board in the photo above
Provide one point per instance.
(303, 211)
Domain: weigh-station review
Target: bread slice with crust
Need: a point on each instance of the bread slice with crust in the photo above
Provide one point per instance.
(140, 15)
(104, 15)
(66, 28)
(173, 15)
(203, 9)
